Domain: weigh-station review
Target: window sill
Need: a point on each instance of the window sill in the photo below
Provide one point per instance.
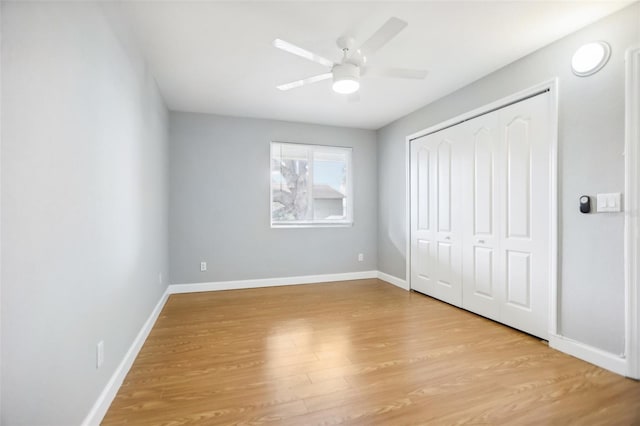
(312, 225)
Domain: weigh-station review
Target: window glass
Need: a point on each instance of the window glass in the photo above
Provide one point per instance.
(310, 185)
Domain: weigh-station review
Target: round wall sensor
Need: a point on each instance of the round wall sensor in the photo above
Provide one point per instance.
(590, 58)
(585, 204)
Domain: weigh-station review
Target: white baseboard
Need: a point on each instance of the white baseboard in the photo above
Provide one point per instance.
(595, 356)
(398, 282)
(269, 282)
(109, 392)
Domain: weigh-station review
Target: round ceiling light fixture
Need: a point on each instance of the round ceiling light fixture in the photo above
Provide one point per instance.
(590, 58)
(346, 78)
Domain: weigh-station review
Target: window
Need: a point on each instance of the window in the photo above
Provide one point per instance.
(310, 185)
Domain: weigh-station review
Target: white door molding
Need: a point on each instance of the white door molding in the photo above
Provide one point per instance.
(632, 211)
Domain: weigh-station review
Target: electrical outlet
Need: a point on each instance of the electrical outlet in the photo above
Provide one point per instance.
(203, 266)
(360, 257)
(100, 354)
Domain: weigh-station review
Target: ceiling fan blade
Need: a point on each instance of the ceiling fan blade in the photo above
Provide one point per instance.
(398, 73)
(303, 82)
(303, 53)
(385, 33)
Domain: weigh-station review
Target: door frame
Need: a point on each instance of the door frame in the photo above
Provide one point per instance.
(552, 87)
(631, 211)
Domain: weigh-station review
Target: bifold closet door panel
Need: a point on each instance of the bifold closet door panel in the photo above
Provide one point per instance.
(436, 254)
(482, 171)
(422, 229)
(526, 144)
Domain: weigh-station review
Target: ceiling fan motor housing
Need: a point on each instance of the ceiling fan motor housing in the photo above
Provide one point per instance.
(346, 71)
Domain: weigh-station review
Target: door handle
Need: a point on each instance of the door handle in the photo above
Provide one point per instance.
(447, 238)
(480, 241)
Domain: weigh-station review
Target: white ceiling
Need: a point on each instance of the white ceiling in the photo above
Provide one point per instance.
(217, 57)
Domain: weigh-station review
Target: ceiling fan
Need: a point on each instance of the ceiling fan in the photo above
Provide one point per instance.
(346, 73)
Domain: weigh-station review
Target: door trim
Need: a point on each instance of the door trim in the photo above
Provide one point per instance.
(552, 87)
(631, 211)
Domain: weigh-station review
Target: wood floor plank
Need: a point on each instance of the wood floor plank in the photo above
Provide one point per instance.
(356, 352)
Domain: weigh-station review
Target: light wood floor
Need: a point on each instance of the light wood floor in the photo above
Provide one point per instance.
(355, 352)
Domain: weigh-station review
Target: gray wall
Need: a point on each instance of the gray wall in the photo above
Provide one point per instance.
(84, 206)
(219, 202)
(591, 144)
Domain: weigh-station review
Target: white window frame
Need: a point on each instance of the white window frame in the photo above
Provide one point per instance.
(341, 223)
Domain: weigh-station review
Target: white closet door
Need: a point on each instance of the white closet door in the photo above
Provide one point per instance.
(435, 216)
(525, 140)
(480, 222)
(506, 220)
(482, 262)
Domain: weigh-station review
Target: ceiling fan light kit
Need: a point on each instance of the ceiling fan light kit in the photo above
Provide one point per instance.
(346, 74)
(346, 78)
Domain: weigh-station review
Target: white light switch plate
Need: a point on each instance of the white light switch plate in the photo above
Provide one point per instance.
(608, 202)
